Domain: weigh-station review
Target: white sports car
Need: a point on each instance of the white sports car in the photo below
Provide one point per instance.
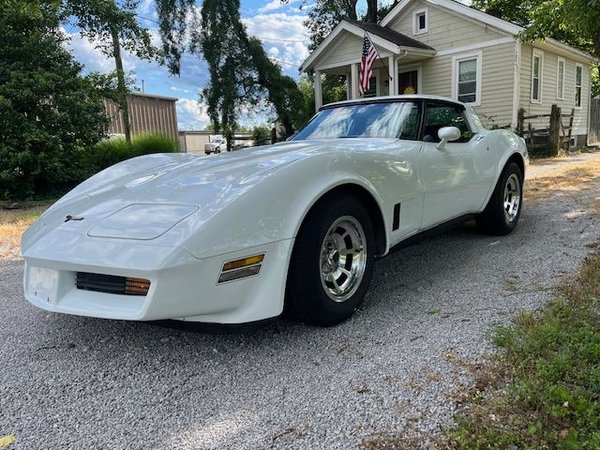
(296, 226)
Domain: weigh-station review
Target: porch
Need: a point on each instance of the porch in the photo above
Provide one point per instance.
(397, 70)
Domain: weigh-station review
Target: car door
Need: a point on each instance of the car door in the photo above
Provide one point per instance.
(450, 180)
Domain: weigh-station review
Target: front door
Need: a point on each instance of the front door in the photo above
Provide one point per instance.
(408, 82)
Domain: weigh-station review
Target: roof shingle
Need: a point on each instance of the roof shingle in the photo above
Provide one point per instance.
(389, 35)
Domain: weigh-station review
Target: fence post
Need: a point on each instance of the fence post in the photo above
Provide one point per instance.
(554, 130)
(521, 122)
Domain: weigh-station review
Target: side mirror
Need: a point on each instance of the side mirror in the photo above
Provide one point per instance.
(447, 134)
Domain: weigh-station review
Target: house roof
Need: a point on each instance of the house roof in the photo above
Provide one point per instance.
(389, 35)
(480, 16)
(380, 36)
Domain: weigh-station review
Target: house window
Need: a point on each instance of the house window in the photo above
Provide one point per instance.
(578, 77)
(467, 79)
(420, 21)
(560, 79)
(536, 76)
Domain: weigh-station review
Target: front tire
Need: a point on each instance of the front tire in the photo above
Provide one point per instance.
(503, 210)
(332, 262)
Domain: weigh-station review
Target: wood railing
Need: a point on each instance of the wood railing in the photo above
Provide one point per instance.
(555, 137)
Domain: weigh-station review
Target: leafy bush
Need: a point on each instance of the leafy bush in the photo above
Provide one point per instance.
(111, 151)
(260, 134)
(49, 114)
(147, 143)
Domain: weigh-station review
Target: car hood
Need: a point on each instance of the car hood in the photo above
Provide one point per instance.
(145, 197)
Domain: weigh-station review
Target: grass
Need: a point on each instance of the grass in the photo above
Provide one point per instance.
(563, 180)
(543, 390)
(14, 221)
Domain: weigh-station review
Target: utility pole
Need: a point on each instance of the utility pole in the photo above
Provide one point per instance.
(121, 86)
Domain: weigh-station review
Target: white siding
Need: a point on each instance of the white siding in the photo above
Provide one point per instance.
(445, 29)
(347, 48)
(497, 82)
(549, 80)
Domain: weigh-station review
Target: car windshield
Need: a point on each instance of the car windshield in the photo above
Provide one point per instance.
(371, 120)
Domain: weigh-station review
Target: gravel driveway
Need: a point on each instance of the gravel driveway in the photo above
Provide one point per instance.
(72, 382)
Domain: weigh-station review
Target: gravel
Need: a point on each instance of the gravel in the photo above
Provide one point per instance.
(71, 382)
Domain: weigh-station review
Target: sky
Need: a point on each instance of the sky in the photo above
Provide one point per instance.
(279, 26)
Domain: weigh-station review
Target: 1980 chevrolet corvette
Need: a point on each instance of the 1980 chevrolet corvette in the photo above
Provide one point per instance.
(240, 237)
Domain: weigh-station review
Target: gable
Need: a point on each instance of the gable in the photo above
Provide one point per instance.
(346, 49)
(446, 29)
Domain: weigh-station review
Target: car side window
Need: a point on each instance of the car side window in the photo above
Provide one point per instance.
(440, 115)
(410, 125)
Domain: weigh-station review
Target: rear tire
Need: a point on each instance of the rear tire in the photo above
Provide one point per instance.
(503, 210)
(332, 262)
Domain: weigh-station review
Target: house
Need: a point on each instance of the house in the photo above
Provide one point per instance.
(148, 113)
(442, 47)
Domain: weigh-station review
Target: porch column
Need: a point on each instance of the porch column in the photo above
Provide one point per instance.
(393, 82)
(355, 81)
(318, 90)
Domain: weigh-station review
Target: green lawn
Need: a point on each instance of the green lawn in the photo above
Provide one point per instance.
(543, 391)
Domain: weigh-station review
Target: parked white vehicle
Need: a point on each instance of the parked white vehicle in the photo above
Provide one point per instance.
(295, 226)
(215, 146)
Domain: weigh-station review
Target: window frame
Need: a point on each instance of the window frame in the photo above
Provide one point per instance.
(578, 67)
(416, 14)
(456, 60)
(537, 54)
(560, 87)
(460, 107)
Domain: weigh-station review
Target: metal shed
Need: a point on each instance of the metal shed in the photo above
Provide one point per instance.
(148, 113)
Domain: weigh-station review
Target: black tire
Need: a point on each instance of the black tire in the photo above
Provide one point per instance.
(496, 219)
(307, 297)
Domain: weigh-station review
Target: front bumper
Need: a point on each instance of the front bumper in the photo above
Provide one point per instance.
(182, 286)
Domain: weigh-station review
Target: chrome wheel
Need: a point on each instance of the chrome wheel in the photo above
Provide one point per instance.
(343, 258)
(512, 197)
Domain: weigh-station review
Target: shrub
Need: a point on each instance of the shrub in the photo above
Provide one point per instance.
(147, 143)
(111, 151)
(49, 114)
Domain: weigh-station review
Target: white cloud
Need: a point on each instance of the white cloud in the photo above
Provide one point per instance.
(176, 89)
(191, 115)
(277, 4)
(271, 6)
(88, 54)
(284, 34)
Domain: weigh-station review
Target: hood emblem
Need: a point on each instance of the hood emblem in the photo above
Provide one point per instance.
(69, 218)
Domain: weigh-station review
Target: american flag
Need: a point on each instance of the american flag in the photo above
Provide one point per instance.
(366, 63)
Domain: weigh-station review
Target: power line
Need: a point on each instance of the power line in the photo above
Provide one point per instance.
(147, 19)
(280, 40)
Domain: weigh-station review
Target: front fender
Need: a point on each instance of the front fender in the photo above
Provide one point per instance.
(274, 208)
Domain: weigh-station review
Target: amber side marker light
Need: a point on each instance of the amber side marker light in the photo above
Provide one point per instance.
(241, 268)
(137, 286)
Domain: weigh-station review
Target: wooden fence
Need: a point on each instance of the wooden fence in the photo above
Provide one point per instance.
(552, 139)
(594, 133)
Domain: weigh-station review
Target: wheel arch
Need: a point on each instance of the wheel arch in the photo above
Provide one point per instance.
(518, 159)
(367, 198)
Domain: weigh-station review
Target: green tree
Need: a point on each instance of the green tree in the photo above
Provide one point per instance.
(324, 15)
(112, 27)
(49, 113)
(260, 133)
(575, 22)
(241, 74)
